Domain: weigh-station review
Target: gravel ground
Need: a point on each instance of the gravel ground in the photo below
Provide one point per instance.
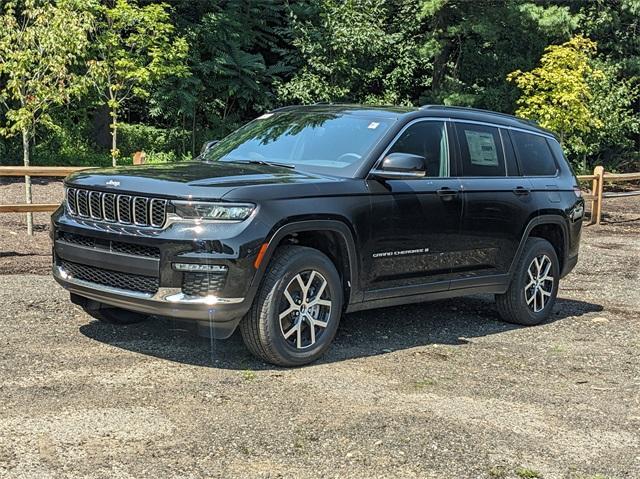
(437, 390)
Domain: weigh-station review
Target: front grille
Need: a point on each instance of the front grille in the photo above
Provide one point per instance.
(123, 209)
(112, 279)
(202, 284)
(77, 239)
(135, 249)
(110, 246)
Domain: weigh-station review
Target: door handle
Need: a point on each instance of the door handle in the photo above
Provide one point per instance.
(447, 193)
(520, 191)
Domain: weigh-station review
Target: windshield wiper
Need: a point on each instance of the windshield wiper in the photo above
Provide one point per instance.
(265, 162)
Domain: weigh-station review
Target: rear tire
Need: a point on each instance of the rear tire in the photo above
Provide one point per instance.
(296, 312)
(534, 286)
(115, 315)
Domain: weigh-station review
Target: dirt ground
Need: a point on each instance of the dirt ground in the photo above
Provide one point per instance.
(436, 390)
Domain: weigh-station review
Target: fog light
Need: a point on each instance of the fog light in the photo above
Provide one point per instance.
(200, 268)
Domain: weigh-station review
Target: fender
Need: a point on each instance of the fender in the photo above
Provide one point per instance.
(313, 225)
(541, 220)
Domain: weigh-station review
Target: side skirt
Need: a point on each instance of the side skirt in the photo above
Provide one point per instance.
(496, 284)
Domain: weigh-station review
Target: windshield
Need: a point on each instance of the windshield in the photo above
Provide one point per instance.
(333, 143)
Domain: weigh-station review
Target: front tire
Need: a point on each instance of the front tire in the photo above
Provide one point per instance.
(297, 309)
(534, 286)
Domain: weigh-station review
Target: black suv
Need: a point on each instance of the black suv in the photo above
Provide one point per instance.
(309, 212)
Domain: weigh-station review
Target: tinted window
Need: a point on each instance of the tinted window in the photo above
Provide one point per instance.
(534, 154)
(480, 150)
(509, 154)
(427, 139)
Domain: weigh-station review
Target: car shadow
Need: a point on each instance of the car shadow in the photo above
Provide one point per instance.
(362, 334)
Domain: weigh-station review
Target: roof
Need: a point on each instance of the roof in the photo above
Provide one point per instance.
(457, 112)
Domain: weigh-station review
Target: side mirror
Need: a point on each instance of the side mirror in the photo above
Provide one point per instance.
(401, 166)
(208, 145)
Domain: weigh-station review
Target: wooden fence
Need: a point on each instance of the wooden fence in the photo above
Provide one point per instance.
(596, 195)
(34, 171)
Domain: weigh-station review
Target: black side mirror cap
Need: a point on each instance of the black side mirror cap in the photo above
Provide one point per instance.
(401, 166)
(208, 145)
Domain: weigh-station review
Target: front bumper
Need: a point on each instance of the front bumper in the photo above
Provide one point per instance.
(223, 314)
(222, 310)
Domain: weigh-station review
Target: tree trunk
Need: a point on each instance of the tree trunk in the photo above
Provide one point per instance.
(27, 179)
(193, 131)
(114, 137)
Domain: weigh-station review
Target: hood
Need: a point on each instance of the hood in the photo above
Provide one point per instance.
(190, 180)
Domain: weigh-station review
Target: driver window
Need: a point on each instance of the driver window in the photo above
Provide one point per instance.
(427, 139)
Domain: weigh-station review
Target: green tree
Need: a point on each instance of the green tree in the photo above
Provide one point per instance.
(474, 45)
(135, 47)
(558, 94)
(354, 50)
(39, 45)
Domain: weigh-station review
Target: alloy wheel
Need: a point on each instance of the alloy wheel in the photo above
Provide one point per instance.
(540, 286)
(305, 309)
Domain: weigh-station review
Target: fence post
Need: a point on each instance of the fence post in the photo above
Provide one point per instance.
(139, 158)
(598, 186)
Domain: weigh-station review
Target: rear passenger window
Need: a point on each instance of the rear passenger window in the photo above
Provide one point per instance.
(534, 154)
(480, 150)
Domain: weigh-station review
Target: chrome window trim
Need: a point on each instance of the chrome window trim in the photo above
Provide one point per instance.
(507, 127)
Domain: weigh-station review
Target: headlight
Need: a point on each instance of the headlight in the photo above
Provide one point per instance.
(200, 210)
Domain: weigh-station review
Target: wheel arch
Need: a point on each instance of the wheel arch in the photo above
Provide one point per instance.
(552, 228)
(330, 236)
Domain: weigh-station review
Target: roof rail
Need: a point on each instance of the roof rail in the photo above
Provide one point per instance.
(480, 110)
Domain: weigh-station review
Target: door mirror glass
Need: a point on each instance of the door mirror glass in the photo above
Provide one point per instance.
(401, 166)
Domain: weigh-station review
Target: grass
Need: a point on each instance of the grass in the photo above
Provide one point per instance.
(423, 383)
(498, 472)
(248, 375)
(526, 473)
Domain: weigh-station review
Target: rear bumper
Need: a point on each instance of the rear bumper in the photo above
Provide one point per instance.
(222, 314)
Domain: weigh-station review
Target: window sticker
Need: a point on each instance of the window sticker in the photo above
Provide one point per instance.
(265, 116)
(373, 125)
(482, 148)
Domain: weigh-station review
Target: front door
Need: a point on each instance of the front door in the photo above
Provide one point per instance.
(415, 222)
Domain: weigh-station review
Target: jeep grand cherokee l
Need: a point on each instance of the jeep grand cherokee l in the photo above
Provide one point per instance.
(306, 213)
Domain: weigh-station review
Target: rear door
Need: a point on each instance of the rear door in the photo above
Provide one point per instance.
(497, 203)
(415, 222)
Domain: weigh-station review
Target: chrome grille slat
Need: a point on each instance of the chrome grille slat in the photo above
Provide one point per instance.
(124, 209)
(140, 215)
(83, 203)
(115, 208)
(72, 204)
(157, 212)
(95, 205)
(109, 206)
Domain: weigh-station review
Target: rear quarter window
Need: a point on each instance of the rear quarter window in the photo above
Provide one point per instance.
(534, 154)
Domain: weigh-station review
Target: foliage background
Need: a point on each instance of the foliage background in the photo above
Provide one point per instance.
(245, 57)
